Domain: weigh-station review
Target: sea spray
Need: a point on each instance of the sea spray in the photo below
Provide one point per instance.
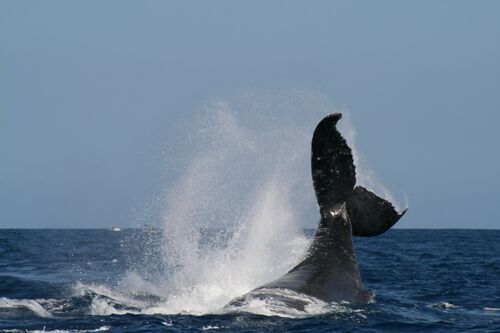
(233, 219)
(240, 181)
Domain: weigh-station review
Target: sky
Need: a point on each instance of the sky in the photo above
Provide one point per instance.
(92, 94)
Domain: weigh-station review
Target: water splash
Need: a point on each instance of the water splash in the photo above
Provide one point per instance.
(232, 221)
(251, 182)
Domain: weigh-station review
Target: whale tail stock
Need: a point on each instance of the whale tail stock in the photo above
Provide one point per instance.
(334, 179)
(329, 270)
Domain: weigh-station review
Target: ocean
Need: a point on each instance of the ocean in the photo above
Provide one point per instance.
(77, 280)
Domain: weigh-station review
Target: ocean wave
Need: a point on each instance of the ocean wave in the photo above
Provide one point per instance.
(100, 329)
(443, 305)
(105, 301)
(28, 304)
(434, 295)
(489, 309)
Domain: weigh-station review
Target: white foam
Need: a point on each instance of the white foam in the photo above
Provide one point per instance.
(107, 301)
(276, 302)
(210, 327)
(29, 304)
(106, 292)
(491, 309)
(444, 305)
(100, 329)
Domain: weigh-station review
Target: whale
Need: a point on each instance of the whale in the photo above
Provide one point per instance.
(329, 271)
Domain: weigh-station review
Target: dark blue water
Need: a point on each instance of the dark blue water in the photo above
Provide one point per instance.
(423, 280)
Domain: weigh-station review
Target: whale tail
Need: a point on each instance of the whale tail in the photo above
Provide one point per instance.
(334, 179)
(329, 270)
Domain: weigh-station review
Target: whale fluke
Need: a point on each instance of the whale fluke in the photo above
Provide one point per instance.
(329, 271)
(334, 177)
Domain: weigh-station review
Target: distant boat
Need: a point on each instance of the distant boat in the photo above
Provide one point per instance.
(115, 228)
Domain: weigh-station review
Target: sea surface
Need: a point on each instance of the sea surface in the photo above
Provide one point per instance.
(95, 280)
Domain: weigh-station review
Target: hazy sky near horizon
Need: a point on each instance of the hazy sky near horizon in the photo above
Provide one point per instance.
(92, 92)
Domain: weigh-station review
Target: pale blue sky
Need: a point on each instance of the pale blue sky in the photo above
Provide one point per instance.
(90, 92)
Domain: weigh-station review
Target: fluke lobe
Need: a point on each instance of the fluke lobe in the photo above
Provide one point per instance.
(329, 271)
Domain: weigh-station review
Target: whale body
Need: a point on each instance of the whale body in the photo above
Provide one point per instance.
(329, 271)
